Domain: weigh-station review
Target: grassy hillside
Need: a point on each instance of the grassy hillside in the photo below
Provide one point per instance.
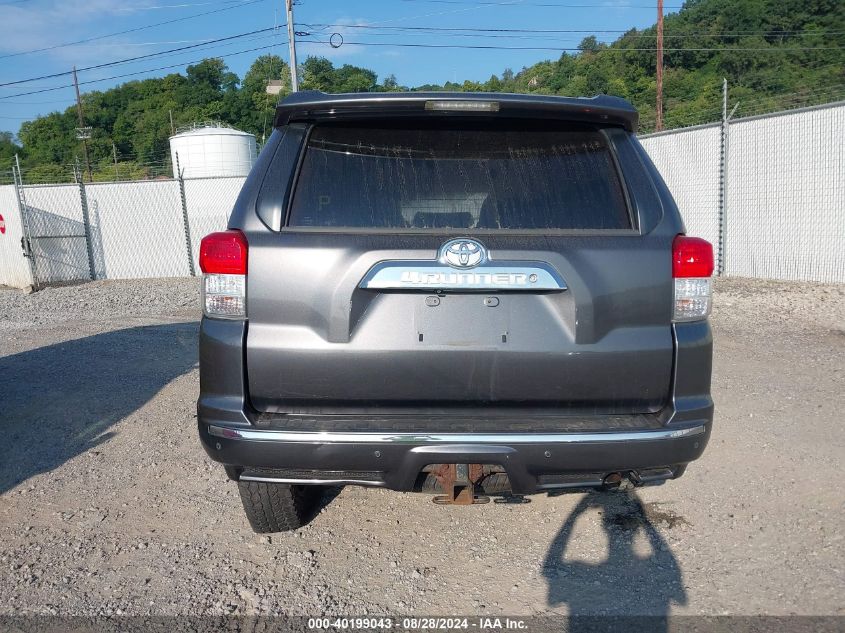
(775, 54)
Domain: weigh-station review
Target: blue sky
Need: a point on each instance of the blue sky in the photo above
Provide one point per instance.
(39, 24)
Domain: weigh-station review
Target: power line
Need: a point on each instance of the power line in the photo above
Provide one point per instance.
(436, 29)
(405, 44)
(141, 72)
(570, 49)
(156, 43)
(43, 89)
(133, 30)
(184, 5)
(139, 57)
(562, 5)
(54, 87)
(517, 34)
(36, 92)
(36, 102)
(549, 39)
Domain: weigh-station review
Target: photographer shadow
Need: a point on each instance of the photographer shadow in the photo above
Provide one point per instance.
(638, 581)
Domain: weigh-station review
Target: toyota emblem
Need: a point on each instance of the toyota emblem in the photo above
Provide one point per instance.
(463, 253)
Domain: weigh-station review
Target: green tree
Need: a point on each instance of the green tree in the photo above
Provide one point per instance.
(350, 78)
(774, 53)
(8, 149)
(317, 74)
(256, 106)
(390, 84)
(589, 44)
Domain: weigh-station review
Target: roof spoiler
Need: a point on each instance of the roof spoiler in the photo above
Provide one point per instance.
(313, 105)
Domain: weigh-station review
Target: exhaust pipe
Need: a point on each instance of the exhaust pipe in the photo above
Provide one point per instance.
(612, 480)
(635, 479)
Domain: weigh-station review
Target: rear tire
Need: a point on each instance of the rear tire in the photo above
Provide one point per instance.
(279, 507)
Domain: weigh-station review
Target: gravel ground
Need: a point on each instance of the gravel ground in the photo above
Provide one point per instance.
(108, 505)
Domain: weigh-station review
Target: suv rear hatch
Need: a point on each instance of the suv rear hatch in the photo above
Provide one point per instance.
(550, 297)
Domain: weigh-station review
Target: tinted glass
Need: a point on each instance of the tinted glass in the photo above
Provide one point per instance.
(458, 178)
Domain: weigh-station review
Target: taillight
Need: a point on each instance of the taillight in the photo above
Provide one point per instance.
(223, 261)
(692, 266)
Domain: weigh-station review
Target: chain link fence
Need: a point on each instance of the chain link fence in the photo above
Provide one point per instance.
(57, 240)
(767, 191)
(208, 202)
(137, 229)
(689, 162)
(15, 269)
(108, 230)
(785, 203)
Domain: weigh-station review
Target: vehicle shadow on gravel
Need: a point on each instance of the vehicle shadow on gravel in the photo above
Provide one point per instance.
(61, 400)
(639, 577)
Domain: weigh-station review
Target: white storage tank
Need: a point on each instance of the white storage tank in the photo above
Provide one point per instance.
(212, 149)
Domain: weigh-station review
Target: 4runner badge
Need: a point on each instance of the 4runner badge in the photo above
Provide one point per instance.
(476, 271)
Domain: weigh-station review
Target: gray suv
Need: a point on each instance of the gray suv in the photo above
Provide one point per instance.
(462, 294)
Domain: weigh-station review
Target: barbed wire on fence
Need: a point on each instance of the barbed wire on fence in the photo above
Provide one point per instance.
(125, 168)
(746, 107)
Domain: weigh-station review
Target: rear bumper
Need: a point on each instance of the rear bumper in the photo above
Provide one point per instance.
(394, 461)
(387, 453)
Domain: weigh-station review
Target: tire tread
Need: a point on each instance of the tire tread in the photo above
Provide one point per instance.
(278, 507)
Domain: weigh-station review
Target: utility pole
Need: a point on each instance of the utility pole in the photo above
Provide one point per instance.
(294, 82)
(172, 129)
(658, 122)
(114, 153)
(82, 133)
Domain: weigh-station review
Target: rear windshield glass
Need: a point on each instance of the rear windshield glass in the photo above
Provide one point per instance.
(418, 178)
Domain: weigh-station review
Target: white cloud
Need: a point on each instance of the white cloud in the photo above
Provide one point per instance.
(30, 27)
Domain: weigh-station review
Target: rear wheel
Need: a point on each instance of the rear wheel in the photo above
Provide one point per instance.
(279, 507)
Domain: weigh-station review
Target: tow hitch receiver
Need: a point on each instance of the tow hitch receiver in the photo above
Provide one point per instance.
(458, 482)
